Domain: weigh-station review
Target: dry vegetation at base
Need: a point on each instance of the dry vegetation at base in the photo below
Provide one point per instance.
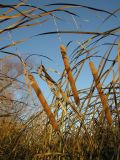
(79, 124)
(38, 142)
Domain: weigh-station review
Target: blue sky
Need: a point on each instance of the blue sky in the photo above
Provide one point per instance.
(48, 45)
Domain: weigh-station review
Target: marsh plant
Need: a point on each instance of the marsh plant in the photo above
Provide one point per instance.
(77, 123)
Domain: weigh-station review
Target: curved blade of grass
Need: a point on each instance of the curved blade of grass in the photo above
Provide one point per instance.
(16, 6)
(15, 15)
(79, 5)
(33, 24)
(12, 44)
(40, 55)
(108, 32)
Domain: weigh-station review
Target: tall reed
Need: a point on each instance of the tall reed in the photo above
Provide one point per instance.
(101, 93)
(69, 74)
(43, 102)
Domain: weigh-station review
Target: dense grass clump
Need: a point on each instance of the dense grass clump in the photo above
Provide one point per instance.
(75, 122)
(102, 143)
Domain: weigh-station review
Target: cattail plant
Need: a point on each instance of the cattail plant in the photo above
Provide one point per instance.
(69, 74)
(101, 93)
(43, 102)
(66, 99)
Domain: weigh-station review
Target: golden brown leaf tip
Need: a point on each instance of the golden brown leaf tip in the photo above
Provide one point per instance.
(62, 47)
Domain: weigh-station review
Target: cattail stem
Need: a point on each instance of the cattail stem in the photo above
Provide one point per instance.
(43, 102)
(118, 74)
(119, 59)
(69, 74)
(101, 93)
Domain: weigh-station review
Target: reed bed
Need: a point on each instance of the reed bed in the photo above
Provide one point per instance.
(77, 123)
